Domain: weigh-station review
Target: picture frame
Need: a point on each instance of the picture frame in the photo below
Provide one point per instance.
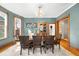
(31, 25)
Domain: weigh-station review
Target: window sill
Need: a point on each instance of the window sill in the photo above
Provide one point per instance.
(3, 38)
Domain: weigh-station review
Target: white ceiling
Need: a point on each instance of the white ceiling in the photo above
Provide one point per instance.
(29, 10)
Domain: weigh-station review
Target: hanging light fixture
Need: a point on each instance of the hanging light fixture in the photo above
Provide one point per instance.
(39, 12)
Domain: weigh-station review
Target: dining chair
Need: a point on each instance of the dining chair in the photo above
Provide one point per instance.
(57, 40)
(37, 43)
(49, 43)
(25, 43)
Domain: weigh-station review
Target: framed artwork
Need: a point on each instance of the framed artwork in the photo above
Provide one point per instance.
(31, 25)
(3, 25)
(35, 25)
(28, 25)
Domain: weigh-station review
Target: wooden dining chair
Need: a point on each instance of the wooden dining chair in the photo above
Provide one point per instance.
(57, 40)
(25, 43)
(37, 43)
(49, 43)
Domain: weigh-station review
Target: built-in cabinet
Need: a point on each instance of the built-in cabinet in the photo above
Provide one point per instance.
(43, 28)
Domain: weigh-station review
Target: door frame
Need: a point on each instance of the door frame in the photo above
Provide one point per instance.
(57, 26)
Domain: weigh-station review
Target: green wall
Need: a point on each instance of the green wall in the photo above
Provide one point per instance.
(10, 26)
(74, 22)
(36, 20)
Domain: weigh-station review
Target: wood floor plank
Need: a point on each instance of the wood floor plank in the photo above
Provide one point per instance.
(65, 44)
(4, 47)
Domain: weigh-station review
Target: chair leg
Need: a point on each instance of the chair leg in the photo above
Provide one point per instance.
(28, 51)
(41, 50)
(33, 50)
(53, 49)
(45, 50)
(21, 51)
(59, 45)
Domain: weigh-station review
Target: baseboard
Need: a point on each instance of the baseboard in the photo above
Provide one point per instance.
(69, 53)
(6, 46)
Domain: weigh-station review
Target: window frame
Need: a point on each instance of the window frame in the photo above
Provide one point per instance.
(5, 16)
(15, 18)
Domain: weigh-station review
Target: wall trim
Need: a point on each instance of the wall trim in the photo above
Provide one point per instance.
(6, 46)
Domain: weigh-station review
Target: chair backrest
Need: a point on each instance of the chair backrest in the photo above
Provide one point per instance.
(52, 37)
(59, 36)
(49, 40)
(45, 37)
(24, 41)
(23, 38)
(37, 40)
(58, 39)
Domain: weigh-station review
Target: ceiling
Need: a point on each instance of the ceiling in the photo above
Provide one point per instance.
(29, 10)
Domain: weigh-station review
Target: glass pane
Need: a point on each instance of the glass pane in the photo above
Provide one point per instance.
(1, 29)
(3, 25)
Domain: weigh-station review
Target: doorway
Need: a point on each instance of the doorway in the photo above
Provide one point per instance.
(64, 28)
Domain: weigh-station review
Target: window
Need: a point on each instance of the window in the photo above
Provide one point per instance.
(3, 25)
(51, 29)
(17, 26)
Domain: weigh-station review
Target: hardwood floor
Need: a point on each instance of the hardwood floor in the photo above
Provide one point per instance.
(65, 45)
(3, 48)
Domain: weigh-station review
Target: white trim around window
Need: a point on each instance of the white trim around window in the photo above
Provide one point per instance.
(4, 16)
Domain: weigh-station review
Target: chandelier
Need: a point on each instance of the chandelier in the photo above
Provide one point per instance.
(39, 12)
